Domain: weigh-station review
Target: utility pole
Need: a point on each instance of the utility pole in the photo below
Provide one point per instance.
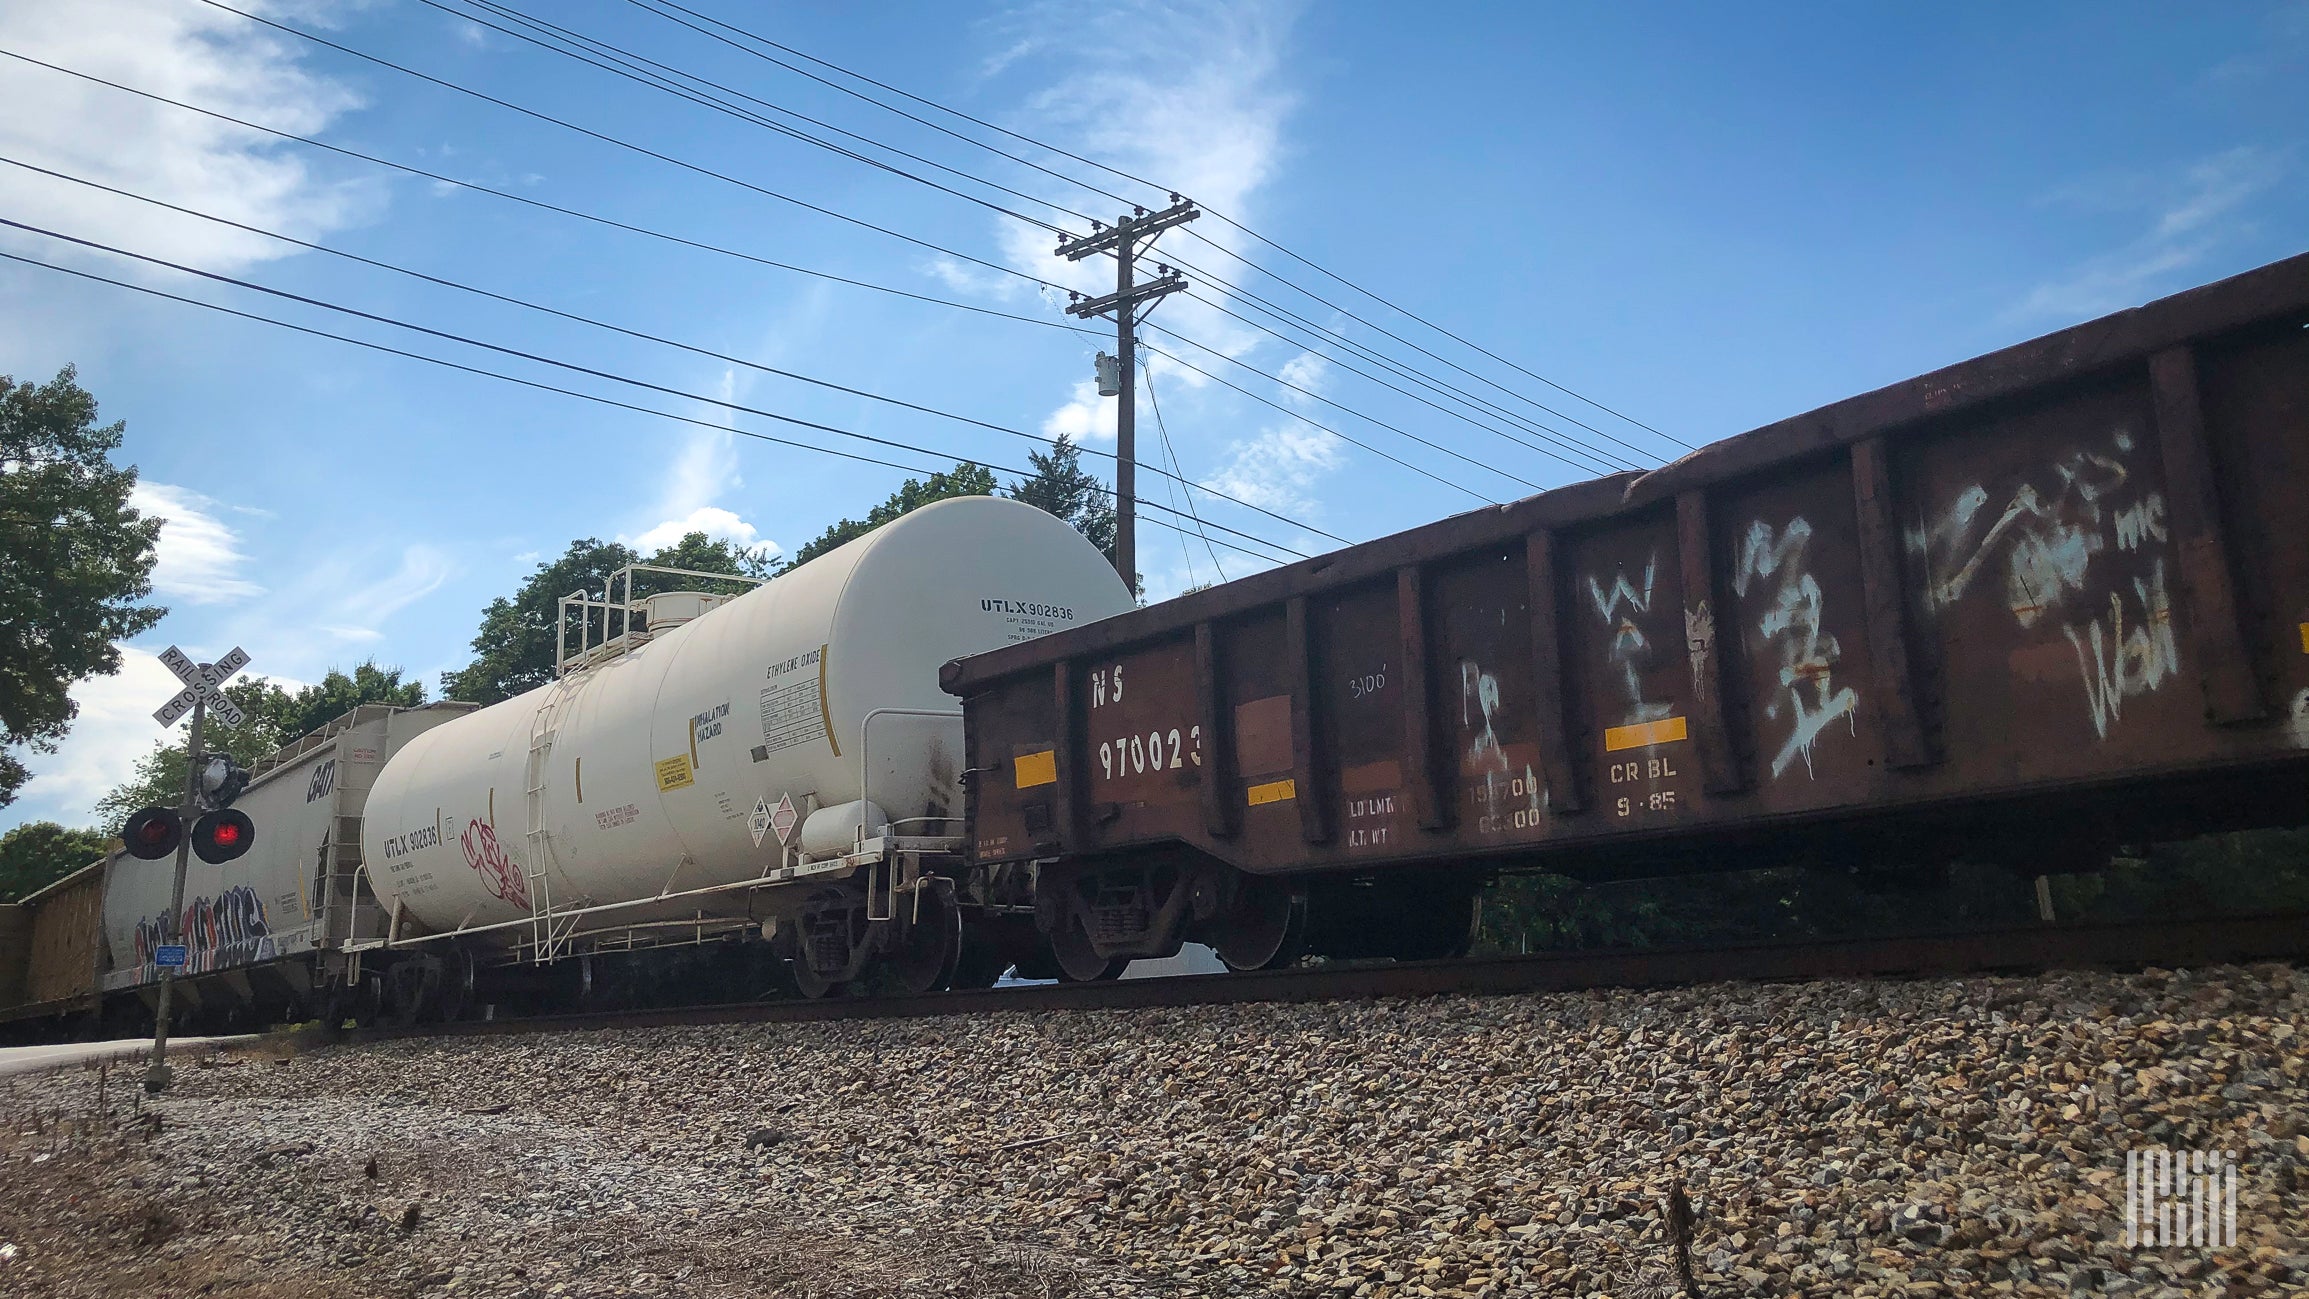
(1123, 239)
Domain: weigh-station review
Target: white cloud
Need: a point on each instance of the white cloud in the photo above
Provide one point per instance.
(1189, 92)
(191, 52)
(1278, 469)
(717, 523)
(2192, 216)
(200, 559)
(1305, 373)
(1086, 417)
(113, 730)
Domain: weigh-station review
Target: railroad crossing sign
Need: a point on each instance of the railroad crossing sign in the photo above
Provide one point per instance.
(782, 820)
(203, 683)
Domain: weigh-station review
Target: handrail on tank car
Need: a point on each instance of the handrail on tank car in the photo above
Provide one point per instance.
(586, 604)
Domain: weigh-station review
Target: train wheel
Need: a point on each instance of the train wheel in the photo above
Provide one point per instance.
(815, 986)
(1078, 961)
(1264, 927)
(924, 959)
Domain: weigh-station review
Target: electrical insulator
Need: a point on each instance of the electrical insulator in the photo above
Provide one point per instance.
(1109, 376)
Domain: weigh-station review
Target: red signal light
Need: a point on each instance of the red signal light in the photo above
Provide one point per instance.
(222, 835)
(152, 833)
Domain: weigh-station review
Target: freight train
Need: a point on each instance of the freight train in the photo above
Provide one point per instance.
(2018, 610)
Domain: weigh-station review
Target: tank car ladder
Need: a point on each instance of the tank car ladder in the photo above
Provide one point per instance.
(546, 938)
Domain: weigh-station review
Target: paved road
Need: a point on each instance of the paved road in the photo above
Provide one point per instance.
(26, 1059)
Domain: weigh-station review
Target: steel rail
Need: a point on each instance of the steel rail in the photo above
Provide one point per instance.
(2027, 949)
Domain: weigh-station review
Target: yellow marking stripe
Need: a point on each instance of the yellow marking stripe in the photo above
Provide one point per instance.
(2305, 638)
(1037, 769)
(1274, 791)
(1667, 730)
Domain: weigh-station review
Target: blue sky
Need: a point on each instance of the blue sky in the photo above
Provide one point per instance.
(1701, 218)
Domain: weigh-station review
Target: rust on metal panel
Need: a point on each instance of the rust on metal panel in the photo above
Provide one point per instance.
(1792, 627)
(1542, 587)
(1635, 680)
(2224, 663)
(1480, 640)
(1361, 675)
(1143, 747)
(1306, 761)
(2251, 388)
(1217, 749)
(1906, 742)
(1068, 796)
(2042, 562)
(1720, 771)
(1419, 758)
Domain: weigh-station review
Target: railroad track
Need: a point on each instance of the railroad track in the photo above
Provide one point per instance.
(2020, 950)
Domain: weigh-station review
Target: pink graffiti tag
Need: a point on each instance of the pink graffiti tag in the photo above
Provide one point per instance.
(484, 855)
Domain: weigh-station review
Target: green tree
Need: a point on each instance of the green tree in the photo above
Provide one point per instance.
(39, 853)
(965, 479)
(275, 717)
(1061, 486)
(513, 651)
(78, 560)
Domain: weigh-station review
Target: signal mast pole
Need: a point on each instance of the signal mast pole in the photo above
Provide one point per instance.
(156, 1077)
(1123, 240)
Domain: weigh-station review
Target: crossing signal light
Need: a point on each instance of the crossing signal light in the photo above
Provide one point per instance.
(153, 833)
(221, 781)
(222, 835)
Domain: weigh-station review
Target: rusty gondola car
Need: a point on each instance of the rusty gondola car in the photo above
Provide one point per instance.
(2020, 610)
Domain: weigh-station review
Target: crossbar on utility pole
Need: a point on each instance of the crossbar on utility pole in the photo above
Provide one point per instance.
(156, 1078)
(1123, 239)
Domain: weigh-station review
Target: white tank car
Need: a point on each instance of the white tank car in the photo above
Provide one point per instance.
(650, 764)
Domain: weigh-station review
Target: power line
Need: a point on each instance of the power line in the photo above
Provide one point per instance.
(571, 366)
(1189, 366)
(586, 396)
(588, 320)
(1596, 458)
(630, 228)
(1431, 383)
(709, 172)
(1431, 325)
(1179, 473)
(609, 50)
(656, 8)
(622, 63)
(641, 149)
(509, 196)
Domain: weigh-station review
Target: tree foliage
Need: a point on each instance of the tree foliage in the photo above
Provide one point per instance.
(965, 479)
(78, 560)
(275, 717)
(39, 853)
(1061, 486)
(513, 651)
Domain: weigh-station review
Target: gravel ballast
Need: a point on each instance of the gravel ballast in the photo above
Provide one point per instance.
(1873, 1139)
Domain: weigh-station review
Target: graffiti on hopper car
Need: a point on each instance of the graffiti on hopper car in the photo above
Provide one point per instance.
(228, 930)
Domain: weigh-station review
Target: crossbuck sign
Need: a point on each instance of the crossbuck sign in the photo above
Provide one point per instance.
(203, 683)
